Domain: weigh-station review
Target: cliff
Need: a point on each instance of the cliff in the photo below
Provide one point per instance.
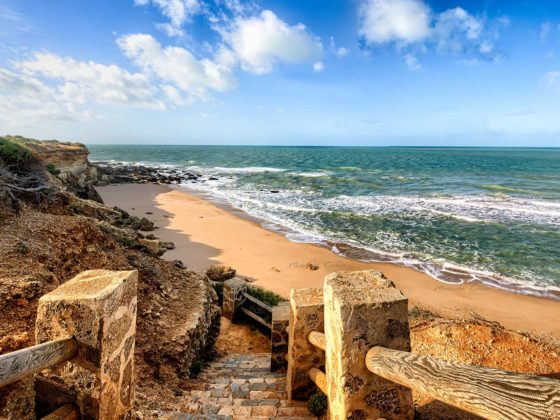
(48, 235)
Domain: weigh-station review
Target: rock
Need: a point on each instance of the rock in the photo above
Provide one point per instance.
(220, 272)
(312, 267)
(178, 264)
(146, 225)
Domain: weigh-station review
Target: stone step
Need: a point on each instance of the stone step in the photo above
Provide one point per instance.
(241, 386)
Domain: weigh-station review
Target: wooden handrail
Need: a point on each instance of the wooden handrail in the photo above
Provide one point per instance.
(255, 317)
(317, 339)
(25, 362)
(487, 392)
(256, 301)
(319, 378)
(66, 412)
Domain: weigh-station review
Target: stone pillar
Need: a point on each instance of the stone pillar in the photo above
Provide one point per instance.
(279, 337)
(363, 309)
(98, 309)
(306, 315)
(232, 296)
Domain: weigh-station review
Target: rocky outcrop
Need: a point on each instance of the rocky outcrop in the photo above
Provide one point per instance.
(67, 163)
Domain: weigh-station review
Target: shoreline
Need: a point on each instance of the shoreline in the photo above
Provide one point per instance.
(206, 233)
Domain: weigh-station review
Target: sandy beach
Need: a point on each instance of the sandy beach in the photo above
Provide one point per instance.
(205, 234)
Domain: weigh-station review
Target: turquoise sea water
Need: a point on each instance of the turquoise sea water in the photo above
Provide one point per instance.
(459, 214)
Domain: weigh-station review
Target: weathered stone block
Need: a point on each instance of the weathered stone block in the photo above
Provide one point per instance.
(98, 309)
(306, 315)
(279, 337)
(363, 309)
(232, 296)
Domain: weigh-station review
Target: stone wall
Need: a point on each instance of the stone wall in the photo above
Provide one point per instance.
(279, 337)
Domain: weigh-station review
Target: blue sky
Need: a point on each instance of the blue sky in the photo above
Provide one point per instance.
(321, 72)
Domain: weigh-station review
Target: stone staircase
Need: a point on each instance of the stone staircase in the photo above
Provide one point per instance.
(241, 386)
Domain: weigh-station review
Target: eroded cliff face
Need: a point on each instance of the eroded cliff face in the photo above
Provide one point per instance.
(65, 164)
(48, 241)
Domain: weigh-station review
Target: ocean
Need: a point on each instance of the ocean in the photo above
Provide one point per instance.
(486, 215)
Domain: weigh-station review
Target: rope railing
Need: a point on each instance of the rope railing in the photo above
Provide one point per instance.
(487, 392)
(22, 363)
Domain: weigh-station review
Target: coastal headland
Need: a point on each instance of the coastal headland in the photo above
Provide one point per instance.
(206, 233)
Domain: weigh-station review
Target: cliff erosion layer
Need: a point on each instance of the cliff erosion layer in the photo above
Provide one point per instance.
(48, 235)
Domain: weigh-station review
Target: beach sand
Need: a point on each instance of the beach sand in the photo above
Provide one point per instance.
(205, 233)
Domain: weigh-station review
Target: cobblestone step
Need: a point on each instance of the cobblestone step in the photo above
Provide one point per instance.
(241, 386)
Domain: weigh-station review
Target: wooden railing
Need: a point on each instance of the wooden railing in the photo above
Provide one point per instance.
(251, 314)
(487, 392)
(367, 332)
(316, 375)
(22, 363)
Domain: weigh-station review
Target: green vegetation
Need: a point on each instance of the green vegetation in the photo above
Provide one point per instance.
(14, 154)
(266, 296)
(52, 169)
(196, 368)
(317, 404)
(22, 248)
(76, 207)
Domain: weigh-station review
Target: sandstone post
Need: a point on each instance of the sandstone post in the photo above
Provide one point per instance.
(98, 309)
(363, 309)
(232, 296)
(279, 337)
(306, 315)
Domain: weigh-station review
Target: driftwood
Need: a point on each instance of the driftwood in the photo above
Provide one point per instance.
(489, 393)
(25, 362)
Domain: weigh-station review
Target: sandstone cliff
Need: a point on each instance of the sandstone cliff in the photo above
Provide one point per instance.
(48, 238)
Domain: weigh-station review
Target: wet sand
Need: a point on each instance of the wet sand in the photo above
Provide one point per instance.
(205, 233)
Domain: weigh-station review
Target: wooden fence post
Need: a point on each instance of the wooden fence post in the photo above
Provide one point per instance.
(98, 309)
(232, 297)
(362, 310)
(306, 315)
(279, 337)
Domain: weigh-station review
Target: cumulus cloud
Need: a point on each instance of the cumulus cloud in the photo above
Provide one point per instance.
(177, 11)
(81, 81)
(342, 52)
(410, 24)
(318, 66)
(394, 20)
(178, 66)
(262, 41)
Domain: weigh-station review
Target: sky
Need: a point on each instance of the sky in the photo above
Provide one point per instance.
(305, 72)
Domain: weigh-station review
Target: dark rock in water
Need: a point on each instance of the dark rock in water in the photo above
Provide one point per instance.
(146, 225)
(274, 191)
(213, 178)
(149, 212)
(220, 272)
(178, 264)
(151, 236)
(168, 245)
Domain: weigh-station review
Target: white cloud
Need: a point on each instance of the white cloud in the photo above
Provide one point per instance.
(177, 11)
(412, 62)
(318, 66)
(81, 81)
(384, 21)
(552, 78)
(342, 52)
(24, 98)
(411, 25)
(178, 66)
(262, 41)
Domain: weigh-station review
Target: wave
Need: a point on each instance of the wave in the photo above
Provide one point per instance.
(246, 170)
(312, 174)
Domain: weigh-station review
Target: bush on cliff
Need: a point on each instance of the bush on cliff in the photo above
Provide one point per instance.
(266, 296)
(15, 156)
